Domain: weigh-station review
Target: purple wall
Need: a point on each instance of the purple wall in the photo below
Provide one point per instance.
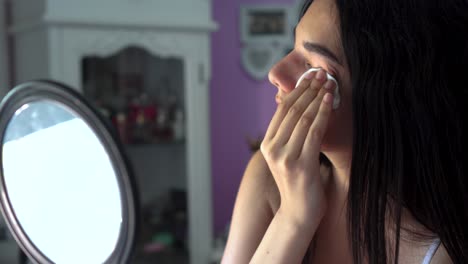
(240, 107)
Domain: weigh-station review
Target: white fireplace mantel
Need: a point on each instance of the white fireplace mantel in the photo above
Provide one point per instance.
(53, 36)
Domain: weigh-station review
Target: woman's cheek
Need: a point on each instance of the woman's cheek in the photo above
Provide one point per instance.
(339, 132)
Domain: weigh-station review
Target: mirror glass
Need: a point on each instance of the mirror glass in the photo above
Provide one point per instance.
(61, 184)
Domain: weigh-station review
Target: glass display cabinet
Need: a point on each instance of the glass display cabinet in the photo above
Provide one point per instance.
(146, 66)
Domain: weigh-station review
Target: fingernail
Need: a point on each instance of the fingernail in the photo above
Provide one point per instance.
(329, 84)
(309, 75)
(328, 98)
(320, 75)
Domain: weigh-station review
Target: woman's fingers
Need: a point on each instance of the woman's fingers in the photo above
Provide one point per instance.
(286, 103)
(296, 110)
(307, 120)
(313, 141)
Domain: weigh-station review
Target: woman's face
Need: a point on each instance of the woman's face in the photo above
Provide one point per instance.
(318, 45)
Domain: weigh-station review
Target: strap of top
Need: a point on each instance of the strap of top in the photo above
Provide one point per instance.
(431, 252)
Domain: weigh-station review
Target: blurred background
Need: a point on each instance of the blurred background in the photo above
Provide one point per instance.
(162, 72)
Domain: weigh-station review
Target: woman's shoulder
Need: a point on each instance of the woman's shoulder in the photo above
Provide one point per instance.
(252, 212)
(418, 243)
(441, 256)
(258, 173)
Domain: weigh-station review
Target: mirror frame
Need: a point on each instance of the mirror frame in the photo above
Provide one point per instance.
(56, 92)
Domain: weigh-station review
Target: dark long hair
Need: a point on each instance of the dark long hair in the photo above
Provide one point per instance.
(408, 61)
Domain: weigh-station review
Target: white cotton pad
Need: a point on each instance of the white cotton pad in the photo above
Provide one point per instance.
(336, 97)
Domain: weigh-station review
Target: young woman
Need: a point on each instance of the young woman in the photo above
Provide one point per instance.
(383, 178)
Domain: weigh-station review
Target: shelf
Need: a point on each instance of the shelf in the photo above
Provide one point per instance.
(168, 256)
(156, 144)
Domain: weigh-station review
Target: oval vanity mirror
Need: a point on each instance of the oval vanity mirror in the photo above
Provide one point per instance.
(67, 193)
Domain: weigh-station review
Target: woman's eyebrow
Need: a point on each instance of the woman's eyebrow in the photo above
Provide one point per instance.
(318, 48)
(322, 50)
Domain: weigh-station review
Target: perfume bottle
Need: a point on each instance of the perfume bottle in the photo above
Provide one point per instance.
(122, 128)
(178, 125)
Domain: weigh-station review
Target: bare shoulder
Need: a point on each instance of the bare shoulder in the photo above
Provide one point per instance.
(257, 202)
(257, 163)
(257, 173)
(258, 169)
(271, 191)
(252, 211)
(412, 251)
(441, 256)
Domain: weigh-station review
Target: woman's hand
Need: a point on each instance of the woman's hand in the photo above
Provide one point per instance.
(291, 148)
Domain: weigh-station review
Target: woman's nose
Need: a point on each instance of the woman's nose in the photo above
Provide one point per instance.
(284, 74)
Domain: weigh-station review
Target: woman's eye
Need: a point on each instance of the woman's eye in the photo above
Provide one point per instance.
(309, 66)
